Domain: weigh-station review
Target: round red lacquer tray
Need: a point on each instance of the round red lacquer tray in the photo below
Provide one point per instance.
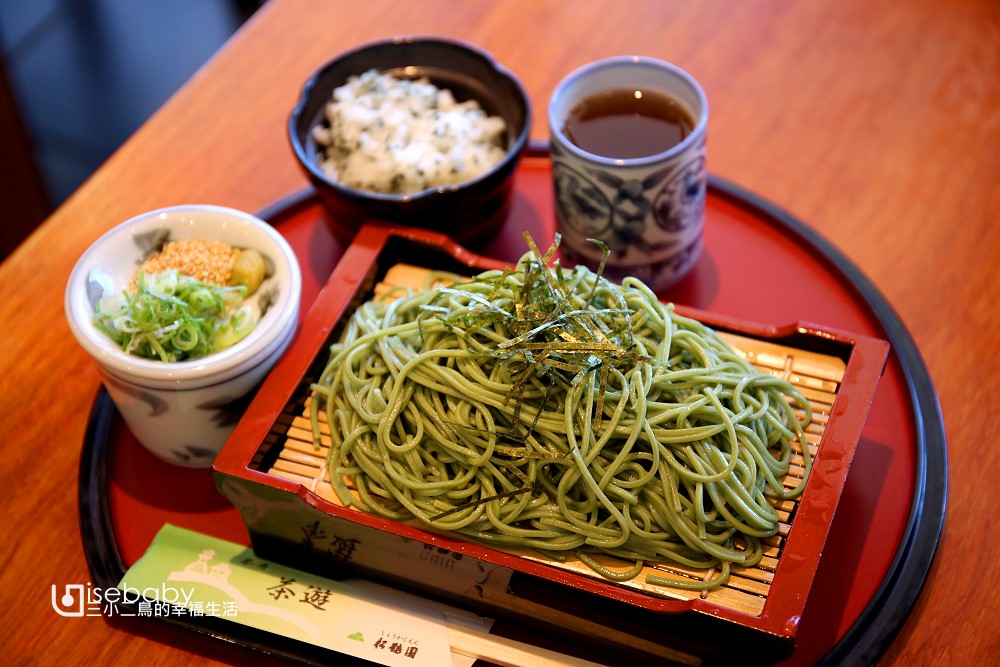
(759, 264)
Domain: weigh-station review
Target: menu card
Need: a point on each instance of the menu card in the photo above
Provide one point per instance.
(184, 572)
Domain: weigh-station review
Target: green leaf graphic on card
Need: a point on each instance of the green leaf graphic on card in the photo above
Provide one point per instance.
(357, 636)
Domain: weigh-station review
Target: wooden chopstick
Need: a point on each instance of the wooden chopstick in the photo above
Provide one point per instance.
(508, 652)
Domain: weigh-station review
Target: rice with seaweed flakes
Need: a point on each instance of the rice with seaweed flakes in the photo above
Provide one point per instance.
(400, 136)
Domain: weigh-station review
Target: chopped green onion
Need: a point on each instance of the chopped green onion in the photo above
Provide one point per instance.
(173, 317)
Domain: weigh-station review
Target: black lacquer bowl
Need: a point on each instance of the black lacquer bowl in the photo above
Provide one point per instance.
(471, 212)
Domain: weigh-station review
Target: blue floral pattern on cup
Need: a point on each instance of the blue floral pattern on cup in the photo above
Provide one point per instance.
(653, 218)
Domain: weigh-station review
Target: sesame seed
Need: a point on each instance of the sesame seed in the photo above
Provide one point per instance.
(208, 261)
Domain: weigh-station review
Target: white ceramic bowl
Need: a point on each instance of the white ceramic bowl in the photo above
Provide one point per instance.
(184, 411)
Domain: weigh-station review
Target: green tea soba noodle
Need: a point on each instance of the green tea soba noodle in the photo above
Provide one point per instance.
(547, 408)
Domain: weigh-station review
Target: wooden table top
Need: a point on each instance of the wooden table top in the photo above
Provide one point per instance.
(875, 122)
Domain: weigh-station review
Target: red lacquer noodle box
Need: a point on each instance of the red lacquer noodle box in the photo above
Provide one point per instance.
(270, 471)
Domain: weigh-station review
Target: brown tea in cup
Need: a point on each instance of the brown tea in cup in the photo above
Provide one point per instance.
(626, 123)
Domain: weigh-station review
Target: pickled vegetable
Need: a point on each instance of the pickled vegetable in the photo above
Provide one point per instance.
(248, 270)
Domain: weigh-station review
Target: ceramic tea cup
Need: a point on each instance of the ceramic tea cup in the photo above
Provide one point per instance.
(628, 141)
